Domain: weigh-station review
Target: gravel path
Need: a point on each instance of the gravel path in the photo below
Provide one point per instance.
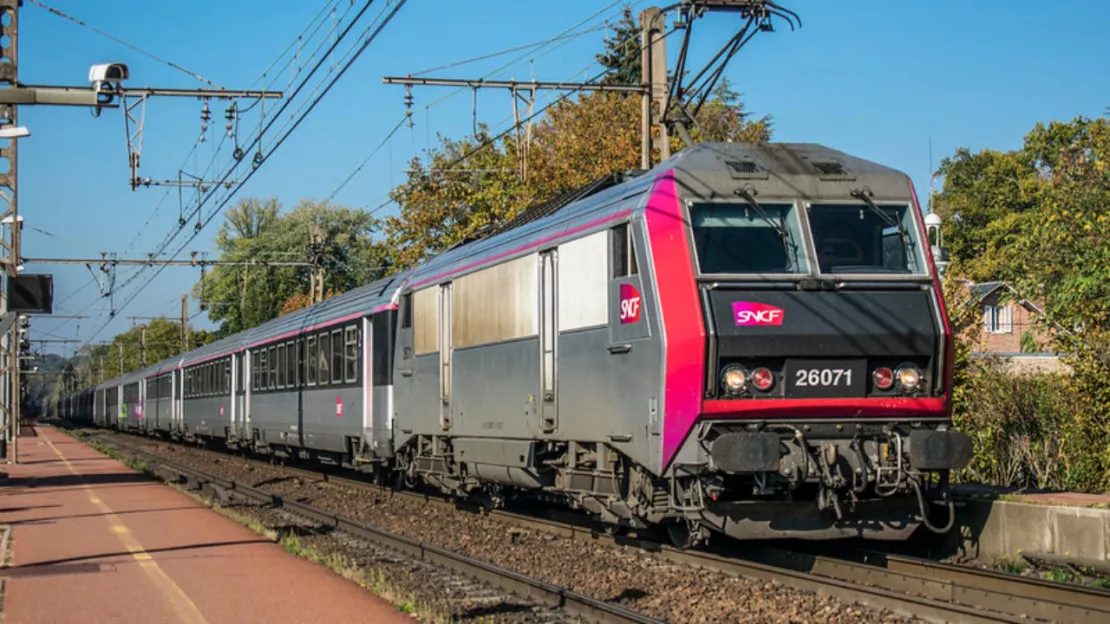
(635, 579)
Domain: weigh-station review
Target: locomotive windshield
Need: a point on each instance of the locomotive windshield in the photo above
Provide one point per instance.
(858, 239)
(745, 238)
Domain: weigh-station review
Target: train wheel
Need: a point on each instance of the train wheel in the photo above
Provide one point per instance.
(685, 534)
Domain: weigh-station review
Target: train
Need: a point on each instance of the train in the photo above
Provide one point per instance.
(746, 340)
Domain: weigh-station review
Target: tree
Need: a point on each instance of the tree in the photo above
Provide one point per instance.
(242, 297)
(1039, 218)
(621, 53)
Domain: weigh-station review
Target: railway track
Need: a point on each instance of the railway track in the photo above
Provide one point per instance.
(908, 585)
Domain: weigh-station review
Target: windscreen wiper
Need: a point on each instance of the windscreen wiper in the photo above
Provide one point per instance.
(747, 197)
(889, 220)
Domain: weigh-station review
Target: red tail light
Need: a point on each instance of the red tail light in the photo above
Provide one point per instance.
(763, 379)
(883, 378)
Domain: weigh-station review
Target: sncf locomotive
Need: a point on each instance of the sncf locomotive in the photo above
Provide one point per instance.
(745, 340)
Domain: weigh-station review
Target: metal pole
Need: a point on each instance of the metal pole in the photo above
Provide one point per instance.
(658, 77)
(142, 347)
(647, 18)
(9, 78)
(184, 323)
(121, 358)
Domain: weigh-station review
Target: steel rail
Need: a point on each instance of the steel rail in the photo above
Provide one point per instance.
(554, 596)
(907, 585)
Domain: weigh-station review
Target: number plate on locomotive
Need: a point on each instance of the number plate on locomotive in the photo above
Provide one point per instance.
(825, 378)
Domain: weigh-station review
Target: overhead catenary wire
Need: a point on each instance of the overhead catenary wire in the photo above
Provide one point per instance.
(255, 141)
(566, 35)
(493, 140)
(43, 5)
(311, 29)
(368, 36)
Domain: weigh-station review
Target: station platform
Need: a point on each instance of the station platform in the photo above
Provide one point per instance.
(86, 539)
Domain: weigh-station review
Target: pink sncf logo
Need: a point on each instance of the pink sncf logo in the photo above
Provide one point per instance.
(630, 304)
(753, 313)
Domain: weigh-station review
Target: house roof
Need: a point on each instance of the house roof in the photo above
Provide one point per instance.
(982, 290)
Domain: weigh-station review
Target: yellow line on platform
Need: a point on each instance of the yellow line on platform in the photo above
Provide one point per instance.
(179, 601)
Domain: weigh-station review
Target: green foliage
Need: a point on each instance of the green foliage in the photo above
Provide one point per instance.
(241, 297)
(621, 52)
(1029, 342)
(1039, 218)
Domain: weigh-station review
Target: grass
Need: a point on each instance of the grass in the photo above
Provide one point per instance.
(1012, 565)
(370, 579)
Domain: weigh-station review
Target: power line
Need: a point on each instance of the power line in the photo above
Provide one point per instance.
(123, 43)
(350, 177)
(564, 36)
(493, 140)
(369, 35)
(526, 46)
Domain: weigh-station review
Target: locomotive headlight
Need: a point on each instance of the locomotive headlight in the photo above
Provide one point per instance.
(908, 377)
(734, 378)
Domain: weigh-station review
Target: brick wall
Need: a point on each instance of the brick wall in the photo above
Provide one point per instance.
(1011, 321)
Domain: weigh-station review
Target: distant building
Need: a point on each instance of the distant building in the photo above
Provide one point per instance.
(1013, 331)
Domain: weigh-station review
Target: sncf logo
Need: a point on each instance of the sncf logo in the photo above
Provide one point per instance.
(630, 304)
(753, 313)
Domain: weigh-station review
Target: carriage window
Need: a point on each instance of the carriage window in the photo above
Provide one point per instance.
(323, 362)
(352, 354)
(254, 370)
(263, 367)
(227, 376)
(857, 239)
(406, 314)
(337, 356)
(273, 368)
(300, 360)
(291, 364)
(281, 366)
(310, 359)
(744, 238)
(624, 252)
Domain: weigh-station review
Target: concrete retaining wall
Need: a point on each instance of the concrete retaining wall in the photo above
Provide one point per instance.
(991, 529)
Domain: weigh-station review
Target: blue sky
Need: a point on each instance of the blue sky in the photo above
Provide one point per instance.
(877, 79)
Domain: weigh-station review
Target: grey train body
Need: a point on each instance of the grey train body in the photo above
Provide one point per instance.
(659, 351)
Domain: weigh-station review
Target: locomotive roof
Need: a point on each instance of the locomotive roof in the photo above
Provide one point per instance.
(786, 170)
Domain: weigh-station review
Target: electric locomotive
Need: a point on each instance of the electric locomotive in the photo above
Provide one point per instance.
(748, 340)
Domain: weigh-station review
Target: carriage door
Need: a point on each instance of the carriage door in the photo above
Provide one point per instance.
(234, 386)
(367, 345)
(445, 342)
(549, 333)
(179, 399)
(245, 378)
